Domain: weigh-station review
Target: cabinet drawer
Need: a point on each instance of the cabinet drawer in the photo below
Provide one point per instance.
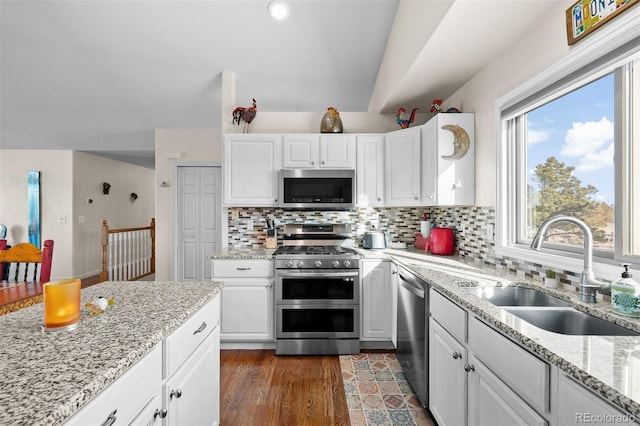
(139, 383)
(182, 342)
(241, 268)
(527, 375)
(452, 317)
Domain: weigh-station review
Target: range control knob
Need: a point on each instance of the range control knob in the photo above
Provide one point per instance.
(335, 264)
(346, 263)
(300, 263)
(317, 263)
(288, 264)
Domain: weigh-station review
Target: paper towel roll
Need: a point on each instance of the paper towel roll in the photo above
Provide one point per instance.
(425, 228)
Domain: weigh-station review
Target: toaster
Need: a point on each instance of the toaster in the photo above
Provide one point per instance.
(374, 240)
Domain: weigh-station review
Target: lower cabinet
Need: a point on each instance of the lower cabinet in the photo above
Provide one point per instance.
(247, 299)
(377, 300)
(447, 377)
(177, 383)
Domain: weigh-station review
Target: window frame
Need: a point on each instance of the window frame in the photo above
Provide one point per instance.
(585, 62)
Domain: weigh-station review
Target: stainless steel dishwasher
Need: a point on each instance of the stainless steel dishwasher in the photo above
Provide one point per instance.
(413, 337)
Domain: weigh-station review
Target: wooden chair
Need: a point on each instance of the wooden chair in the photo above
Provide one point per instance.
(25, 263)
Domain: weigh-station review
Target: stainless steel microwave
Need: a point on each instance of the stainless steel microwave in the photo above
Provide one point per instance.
(317, 189)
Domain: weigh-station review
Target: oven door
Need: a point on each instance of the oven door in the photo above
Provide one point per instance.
(327, 287)
(318, 322)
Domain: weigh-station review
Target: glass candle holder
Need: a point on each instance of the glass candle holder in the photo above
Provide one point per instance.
(61, 304)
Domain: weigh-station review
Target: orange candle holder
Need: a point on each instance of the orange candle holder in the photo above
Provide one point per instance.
(61, 304)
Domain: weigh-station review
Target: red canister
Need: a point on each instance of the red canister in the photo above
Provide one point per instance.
(441, 241)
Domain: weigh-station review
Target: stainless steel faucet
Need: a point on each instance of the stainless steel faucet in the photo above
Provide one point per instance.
(589, 285)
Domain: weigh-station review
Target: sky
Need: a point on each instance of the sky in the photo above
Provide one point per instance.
(577, 129)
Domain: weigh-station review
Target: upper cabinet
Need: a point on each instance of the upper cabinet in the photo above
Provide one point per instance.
(309, 151)
(402, 167)
(448, 160)
(251, 166)
(370, 170)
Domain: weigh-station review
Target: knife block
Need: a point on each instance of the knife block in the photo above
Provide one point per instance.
(271, 242)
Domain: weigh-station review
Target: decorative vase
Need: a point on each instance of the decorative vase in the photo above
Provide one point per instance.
(331, 121)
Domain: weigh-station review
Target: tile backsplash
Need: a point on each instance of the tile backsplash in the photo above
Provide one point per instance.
(474, 228)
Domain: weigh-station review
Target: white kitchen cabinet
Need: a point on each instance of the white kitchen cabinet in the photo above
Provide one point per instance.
(187, 360)
(402, 167)
(309, 151)
(251, 167)
(492, 402)
(370, 170)
(192, 394)
(448, 172)
(247, 299)
(378, 314)
(577, 404)
(447, 377)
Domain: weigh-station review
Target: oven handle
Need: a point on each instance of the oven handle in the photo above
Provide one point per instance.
(316, 274)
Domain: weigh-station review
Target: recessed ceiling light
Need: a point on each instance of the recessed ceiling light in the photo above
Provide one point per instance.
(278, 9)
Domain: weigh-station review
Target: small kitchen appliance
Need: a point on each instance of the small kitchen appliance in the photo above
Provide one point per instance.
(374, 240)
(317, 289)
(441, 241)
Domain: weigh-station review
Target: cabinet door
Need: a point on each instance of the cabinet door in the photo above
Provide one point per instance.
(370, 170)
(447, 377)
(338, 151)
(402, 167)
(152, 414)
(247, 310)
(578, 404)
(251, 166)
(492, 403)
(192, 394)
(429, 164)
(377, 296)
(300, 151)
(456, 176)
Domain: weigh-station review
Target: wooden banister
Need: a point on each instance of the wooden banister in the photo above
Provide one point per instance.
(128, 254)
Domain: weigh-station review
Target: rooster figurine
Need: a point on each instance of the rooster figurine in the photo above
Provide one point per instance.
(245, 114)
(404, 123)
(436, 107)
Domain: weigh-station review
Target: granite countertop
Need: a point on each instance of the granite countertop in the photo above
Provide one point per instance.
(610, 365)
(243, 253)
(47, 377)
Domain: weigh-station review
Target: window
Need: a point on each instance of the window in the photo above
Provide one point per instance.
(570, 145)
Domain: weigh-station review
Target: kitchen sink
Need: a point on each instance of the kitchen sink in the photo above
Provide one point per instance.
(516, 296)
(569, 321)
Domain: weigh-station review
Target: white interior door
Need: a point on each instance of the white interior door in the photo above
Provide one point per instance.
(198, 220)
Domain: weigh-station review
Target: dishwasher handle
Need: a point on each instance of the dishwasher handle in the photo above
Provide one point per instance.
(411, 284)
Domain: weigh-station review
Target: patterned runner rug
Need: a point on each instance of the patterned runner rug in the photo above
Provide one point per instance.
(378, 393)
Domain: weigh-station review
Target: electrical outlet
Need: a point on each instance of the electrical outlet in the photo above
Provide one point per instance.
(250, 225)
(81, 219)
(489, 232)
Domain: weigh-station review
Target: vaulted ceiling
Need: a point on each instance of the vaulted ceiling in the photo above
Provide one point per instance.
(101, 75)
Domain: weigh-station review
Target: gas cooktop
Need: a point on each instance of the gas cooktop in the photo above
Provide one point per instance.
(315, 250)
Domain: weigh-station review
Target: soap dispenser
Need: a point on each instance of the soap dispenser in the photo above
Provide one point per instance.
(625, 295)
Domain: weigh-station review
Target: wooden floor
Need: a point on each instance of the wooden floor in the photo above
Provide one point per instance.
(259, 388)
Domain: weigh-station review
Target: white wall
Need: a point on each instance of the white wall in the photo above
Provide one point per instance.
(89, 172)
(67, 179)
(193, 146)
(56, 188)
(537, 50)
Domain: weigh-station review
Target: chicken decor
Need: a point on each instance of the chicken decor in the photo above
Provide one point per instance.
(331, 121)
(435, 107)
(245, 114)
(403, 122)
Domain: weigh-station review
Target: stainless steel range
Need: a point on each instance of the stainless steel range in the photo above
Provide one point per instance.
(317, 291)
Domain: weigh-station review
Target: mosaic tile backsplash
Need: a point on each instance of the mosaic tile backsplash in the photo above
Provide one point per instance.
(471, 225)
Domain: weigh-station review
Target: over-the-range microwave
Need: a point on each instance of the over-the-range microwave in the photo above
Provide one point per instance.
(317, 189)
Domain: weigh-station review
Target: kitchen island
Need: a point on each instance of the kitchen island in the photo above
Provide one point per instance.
(48, 377)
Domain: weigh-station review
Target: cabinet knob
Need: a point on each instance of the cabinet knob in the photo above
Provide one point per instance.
(313, 162)
(415, 198)
(177, 393)
(456, 355)
(160, 413)
(322, 162)
(469, 367)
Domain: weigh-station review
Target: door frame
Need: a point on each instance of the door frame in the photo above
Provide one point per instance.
(224, 226)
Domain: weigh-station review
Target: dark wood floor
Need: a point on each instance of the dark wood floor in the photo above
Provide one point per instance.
(259, 388)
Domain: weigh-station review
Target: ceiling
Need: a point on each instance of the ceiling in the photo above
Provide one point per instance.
(101, 75)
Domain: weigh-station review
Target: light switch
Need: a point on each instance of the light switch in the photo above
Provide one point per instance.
(250, 225)
(62, 219)
(490, 232)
